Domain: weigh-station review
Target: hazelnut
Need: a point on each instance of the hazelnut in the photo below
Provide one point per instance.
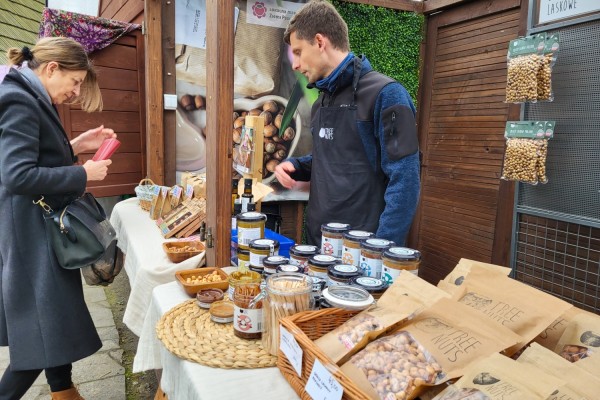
(270, 147)
(237, 135)
(199, 102)
(270, 131)
(267, 116)
(187, 102)
(254, 112)
(289, 134)
(277, 121)
(270, 106)
(239, 122)
(280, 154)
(271, 165)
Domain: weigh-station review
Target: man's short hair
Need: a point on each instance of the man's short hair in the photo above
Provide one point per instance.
(319, 16)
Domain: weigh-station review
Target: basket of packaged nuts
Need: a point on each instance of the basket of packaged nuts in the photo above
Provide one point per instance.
(181, 251)
(306, 327)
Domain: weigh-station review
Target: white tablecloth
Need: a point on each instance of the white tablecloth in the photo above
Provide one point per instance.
(146, 263)
(190, 381)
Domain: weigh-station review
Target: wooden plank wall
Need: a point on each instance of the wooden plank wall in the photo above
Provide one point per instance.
(462, 118)
(120, 70)
(123, 10)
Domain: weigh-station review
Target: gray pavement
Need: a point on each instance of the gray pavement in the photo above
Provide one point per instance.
(100, 376)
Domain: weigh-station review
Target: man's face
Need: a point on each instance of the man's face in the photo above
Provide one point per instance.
(308, 58)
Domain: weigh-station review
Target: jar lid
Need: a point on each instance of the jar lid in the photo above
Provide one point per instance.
(348, 297)
(376, 244)
(264, 244)
(285, 283)
(274, 261)
(357, 235)
(371, 285)
(305, 250)
(322, 260)
(343, 271)
(335, 227)
(256, 268)
(323, 303)
(288, 268)
(251, 217)
(402, 254)
(244, 252)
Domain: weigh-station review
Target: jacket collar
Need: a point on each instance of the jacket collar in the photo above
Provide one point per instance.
(342, 75)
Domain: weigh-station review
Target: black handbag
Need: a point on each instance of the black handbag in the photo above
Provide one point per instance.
(80, 234)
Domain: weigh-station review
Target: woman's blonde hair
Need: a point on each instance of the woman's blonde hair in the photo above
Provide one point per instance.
(70, 56)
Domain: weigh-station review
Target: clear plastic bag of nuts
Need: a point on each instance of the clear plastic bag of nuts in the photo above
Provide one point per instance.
(526, 151)
(529, 68)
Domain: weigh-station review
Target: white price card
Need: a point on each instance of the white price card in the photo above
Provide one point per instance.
(321, 384)
(291, 349)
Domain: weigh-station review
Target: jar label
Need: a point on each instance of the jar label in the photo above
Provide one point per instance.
(233, 222)
(247, 320)
(351, 256)
(390, 274)
(256, 260)
(345, 268)
(369, 282)
(330, 246)
(403, 251)
(242, 263)
(324, 258)
(246, 235)
(333, 282)
(370, 266)
(322, 275)
(302, 263)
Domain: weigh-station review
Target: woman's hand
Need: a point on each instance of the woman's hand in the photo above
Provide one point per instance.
(92, 139)
(96, 170)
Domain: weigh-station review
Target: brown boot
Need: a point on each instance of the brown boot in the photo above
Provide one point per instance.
(69, 394)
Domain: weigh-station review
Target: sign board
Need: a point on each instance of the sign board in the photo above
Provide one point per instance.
(88, 7)
(553, 10)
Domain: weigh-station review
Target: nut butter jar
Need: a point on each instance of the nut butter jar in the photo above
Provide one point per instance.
(370, 256)
(261, 249)
(374, 286)
(300, 253)
(251, 225)
(331, 238)
(351, 246)
(396, 259)
(319, 264)
(340, 274)
(271, 263)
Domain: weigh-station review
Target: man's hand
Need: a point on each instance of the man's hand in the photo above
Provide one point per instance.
(282, 173)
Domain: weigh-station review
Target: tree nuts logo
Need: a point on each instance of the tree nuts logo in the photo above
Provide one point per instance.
(259, 10)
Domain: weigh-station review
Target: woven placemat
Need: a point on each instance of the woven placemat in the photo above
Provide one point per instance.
(187, 331)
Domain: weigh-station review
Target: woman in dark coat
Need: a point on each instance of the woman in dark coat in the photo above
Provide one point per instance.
(43, 316)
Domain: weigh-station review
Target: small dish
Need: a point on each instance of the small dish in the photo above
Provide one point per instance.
(181, 251)
(206, 297)
(193, 285)
(221, 312)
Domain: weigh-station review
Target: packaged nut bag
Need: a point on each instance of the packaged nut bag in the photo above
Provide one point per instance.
(579, 384)
(521, 308)
(464, 266)
(580, 339)
(434, 347)
(550, 336)
(524, 60)
(500, 378)
(407, 296)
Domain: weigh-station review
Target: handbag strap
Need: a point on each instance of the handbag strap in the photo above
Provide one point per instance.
(43, 204)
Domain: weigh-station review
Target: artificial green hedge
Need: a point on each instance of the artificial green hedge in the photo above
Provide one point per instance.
(389, 38)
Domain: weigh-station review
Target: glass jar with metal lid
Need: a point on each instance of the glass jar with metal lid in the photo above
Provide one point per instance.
(271, 263)
(331, 238)
(374, 286)
(370, 256)
(351, 246)
(319, 263)
(243, 257)
(340, 274)
(396, 259)
(300, 253)
(348, 297)
(251, 225)
(261, 249)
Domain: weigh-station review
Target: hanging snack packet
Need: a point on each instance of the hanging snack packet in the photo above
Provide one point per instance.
(526, 151)
(544, 74)
(580, 339)
(524, 56)
(579, 384)
(407, 296)
(521, 308)
(499, 378)
(436, 346)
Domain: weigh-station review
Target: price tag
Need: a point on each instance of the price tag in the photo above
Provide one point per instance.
(321, 385)
(291, 349)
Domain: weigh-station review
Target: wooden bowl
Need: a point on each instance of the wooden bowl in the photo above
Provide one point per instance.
(181, 251)
(192, 288)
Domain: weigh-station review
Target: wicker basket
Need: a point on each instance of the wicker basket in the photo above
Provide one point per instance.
(143, 191)
(306, 327)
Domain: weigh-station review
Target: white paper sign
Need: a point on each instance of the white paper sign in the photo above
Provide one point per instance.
(321, 384)
(190, 22)
(552, 10)
(291, 349)
(269, 13)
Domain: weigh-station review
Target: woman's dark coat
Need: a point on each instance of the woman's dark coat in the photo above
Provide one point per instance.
(43, 317)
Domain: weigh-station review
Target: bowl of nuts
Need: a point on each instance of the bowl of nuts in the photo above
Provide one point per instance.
(197, 279)
(277, 145)
(181, 251)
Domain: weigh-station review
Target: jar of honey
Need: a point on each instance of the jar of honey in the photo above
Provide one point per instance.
(247, 313)
(351, 246)
(370, 256)
(319, 264)
(251, 225)
(331, 238)
(300, 253)
(261, 249)
(396, 259)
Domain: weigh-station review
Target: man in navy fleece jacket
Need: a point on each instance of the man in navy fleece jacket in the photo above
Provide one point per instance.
(364, 166)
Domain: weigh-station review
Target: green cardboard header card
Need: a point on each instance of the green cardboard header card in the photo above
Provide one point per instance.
(529, 129)
(534, 44)
(552, 43)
